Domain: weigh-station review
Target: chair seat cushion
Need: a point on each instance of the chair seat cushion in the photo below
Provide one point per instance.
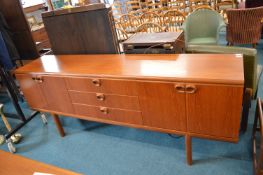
(203, 40)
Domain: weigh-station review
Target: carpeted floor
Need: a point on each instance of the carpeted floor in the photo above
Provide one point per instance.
(100, 149)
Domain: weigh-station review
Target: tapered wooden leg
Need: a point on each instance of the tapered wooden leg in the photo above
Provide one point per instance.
(245, 112)
(58, 124)
(188, 145)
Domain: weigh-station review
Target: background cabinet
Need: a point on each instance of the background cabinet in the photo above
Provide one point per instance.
(80, 30)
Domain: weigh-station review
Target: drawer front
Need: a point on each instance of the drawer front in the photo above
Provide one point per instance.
(120, 87)
(125, 116)
(108, 100)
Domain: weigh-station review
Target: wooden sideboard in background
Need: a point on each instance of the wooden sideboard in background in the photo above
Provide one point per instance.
(41, 38)
(196, 95)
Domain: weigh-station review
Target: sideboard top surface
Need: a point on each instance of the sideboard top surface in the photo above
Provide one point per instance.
(208, 68)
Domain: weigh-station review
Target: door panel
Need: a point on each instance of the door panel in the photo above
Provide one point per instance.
(56, 94)
(215, 110)
(31, 91)
(162, 106)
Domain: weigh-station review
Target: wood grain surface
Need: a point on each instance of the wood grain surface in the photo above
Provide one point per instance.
(15, 164)
(202, 68)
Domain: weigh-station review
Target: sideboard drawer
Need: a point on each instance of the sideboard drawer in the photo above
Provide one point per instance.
(108, 100)
(120, 87)
(126, 116)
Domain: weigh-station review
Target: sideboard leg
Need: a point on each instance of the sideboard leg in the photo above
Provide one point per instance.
(58, 124)
(188, 144)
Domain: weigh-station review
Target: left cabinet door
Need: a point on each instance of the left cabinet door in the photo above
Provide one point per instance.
(32, 91)
(56, 93)
(46, 92)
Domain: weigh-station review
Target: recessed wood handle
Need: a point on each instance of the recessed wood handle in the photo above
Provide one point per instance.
(180, 88)
(190, 89)
(104, 110)
(96, 82)
(100, 96)
(39, 79)
(34, 78)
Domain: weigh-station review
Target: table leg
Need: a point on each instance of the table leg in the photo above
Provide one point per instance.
(188, 145)
(58, 124)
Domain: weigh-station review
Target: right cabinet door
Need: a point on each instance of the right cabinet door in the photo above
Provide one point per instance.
(214, 110)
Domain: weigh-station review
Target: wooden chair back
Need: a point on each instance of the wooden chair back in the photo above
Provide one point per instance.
(173, 20)
(132, 5)
(258, 128)
(204, 7)
(194, 4)
(179, 5)
(129, 23)
(121, 35)
(149, 27)
(222, 5)
(116, 8)
(159, 7)
(151, 17)
(136, 13)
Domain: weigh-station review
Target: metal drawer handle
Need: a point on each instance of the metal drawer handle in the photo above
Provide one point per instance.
(96, 82)
(190, 89)
(104, 110)
(180, 88)
(100, 96)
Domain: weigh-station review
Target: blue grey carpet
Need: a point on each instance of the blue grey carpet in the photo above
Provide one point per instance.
(100, 149)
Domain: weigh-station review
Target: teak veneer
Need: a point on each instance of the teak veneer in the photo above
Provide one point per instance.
(196, 95)
(15, 164)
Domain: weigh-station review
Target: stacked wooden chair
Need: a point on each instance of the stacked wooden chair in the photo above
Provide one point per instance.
(173, 20)
(168, 15)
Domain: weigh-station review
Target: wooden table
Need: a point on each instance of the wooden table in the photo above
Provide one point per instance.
(15, 164)
(195, 95)
(164, 42)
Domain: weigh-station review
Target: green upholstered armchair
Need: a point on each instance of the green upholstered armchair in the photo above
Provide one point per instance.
(203, 27)
(252, 71)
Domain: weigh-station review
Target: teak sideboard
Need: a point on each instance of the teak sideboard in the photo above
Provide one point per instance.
(195, 95)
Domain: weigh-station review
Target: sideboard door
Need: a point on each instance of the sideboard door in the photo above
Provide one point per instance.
(162, 105)
(214, 110)
(56, 94)
(32, 91)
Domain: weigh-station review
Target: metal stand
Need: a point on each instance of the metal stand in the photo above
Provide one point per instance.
(12, 93)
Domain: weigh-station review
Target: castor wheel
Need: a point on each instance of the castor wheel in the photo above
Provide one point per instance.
(44, 118)
(10, 146)
(16, 138)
